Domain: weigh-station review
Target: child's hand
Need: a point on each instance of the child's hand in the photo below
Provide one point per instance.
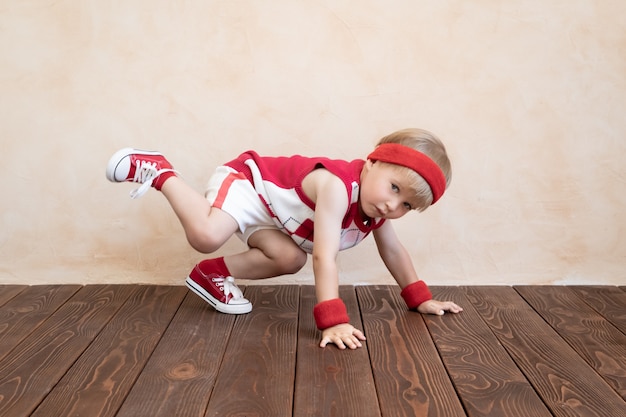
(438, 307)
(342, 335)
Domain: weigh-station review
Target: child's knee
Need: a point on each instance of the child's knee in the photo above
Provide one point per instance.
(203, 242)
(292, 261)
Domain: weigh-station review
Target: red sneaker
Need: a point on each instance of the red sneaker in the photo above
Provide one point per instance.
(219, 291)
(143, 167)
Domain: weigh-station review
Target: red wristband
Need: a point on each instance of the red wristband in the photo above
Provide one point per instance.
(415, 294)
(330, 313)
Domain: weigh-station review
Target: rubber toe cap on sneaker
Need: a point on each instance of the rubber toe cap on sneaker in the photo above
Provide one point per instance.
(119, 165)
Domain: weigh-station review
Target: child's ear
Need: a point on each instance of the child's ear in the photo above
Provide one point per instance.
(369, 164)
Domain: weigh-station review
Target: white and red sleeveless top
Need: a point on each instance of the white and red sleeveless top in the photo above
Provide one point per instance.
(278, 182)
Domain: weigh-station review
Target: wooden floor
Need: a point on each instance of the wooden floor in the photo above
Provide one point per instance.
(104, 350)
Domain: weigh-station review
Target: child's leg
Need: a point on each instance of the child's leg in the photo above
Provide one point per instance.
(207, 228)
(272, 253)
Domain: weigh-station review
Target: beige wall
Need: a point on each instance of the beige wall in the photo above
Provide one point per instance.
(529, 96)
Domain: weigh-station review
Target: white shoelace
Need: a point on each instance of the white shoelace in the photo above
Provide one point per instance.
(145, 174)
(229, 286)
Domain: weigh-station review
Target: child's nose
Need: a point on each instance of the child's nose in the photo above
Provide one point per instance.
(392, 206)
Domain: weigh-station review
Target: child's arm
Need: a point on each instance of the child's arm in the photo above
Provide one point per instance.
(331, 203)
(398, 262)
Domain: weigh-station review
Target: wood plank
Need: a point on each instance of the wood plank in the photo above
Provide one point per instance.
(567, 385)
(143, 352)
(29, 372)
(257, 373)
(410, 377)
(332, 382)
(24, 313)
(101, 378)
(595, 339)
(608, 301)
(179, 377)
(488, 381)
(7, 292)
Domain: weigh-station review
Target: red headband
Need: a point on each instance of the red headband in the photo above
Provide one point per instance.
(405, 156)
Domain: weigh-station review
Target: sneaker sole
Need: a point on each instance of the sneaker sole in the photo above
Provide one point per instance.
(121, 154)
(219, 306)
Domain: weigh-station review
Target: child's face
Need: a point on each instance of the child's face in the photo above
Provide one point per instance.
(385, 192)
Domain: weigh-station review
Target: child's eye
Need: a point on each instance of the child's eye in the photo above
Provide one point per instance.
(395, 188)
(408, 206)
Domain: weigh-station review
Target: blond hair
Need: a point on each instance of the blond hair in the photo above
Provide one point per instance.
(430, 145)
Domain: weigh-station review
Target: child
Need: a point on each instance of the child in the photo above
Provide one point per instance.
(286, 207)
